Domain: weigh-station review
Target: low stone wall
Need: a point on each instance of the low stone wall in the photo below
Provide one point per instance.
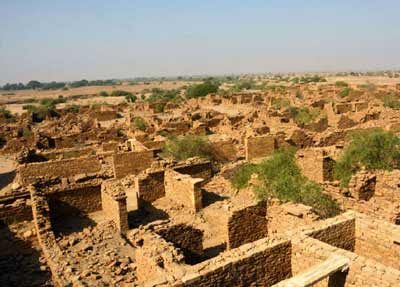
(377, 239)
(74, 201)
(29, 173)
(341, 108)
(259, 147)
(129, 163)
(184, 189)
(362, 271)
(15, 210)
(110, 146)
(47, 241)
(186, 238)
(113, 199)
(339, 232)
(261, 263)
(247, 225)
(224, 151)
(149, 186)
(202, 169)
(315, 164)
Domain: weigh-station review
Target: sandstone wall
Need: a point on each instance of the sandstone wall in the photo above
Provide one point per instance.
(131, 163)
(259, 147)
(186, 238)
(340, 233)
(184, 189)
(114, 206)
(150, 186)
(47, 241)
(377, 239)
(264, 263)
(198, 169)
(15, 210)
(315, 164)
(61, 168)
(224, 151)
(75, 201)
(247, 225)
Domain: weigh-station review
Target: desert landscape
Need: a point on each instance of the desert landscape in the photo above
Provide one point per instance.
(199, 143)
(250, 180)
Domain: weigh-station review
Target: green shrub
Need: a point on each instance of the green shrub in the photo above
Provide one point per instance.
(391, 101)
(6, 113)
(345, 92)
(74, 108)
(120, 93)
(373, 150)
(103, 94)
(242, 175)
(280, 177)
(202, 90)
(159, 108)
(139, 123)
(131, 98)
(51, 103)
(279, 103)
(186, 147)
(303, 116)
(341, 84)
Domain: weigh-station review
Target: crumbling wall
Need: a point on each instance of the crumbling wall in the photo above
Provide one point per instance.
(113, 199)
(15, 210)
(378, 240)
(362, 185)
(264, 263)
(74, 201)
(260, 146)
(186, 238)
(129, 163)
(247, 225)
(60, 168)
(315, 164)
(47, 241)
(184, 189)
(362, 271)
(224, 151)
(341, 108)
(201, 169)
(149, 186)
(338, 232)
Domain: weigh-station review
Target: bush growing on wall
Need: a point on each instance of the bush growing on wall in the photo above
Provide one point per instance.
(373, 150)
(181, 148)
(280, 177)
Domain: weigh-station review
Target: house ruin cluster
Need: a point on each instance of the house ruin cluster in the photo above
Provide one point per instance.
(100, 205)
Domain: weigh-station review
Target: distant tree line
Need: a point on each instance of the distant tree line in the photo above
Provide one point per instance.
(36, 85)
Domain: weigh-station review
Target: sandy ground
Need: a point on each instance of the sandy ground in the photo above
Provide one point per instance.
(5, 97)
(7, 173)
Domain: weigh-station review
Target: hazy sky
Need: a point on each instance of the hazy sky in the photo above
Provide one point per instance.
(96, 39)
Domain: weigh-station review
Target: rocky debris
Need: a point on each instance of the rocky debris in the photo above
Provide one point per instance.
(99, 256)
(362, 185)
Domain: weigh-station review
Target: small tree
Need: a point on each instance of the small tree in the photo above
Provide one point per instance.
(186, 147)
(131, 98)
(372, 150)
(139, 123)
(202, 90)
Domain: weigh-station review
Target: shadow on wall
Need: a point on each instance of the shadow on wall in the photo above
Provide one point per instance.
(209, 198)
(74, 221)
(213, 251)
(6, 178)
(146, 214)
(19, 262)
